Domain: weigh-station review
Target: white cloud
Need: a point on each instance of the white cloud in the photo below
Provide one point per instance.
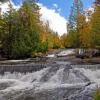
(88, 12)
(4, 7)
(55, 5)
(56, 21)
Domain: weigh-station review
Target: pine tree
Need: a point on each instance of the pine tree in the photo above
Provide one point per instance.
(74, 15)
(23, 28)
(75, 23)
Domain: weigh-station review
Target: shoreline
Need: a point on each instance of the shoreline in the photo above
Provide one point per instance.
(69, 58)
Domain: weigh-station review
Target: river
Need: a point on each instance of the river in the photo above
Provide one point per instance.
(60, 80)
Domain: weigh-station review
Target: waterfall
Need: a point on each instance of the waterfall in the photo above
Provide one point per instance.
(64, 78)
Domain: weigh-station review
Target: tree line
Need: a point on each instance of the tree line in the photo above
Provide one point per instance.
(22, 33)
(83, 33)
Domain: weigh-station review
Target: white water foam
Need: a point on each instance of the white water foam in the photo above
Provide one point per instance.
(66, 52)
(33, 78)
(62, 78)
(93, 75)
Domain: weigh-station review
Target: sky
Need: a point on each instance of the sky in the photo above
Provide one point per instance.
(63, 5)
(56, 12)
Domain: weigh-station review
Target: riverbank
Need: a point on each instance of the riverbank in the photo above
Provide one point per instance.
(74, 60)
(67, 55)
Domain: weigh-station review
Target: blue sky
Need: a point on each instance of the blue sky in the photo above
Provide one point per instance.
(63, 5)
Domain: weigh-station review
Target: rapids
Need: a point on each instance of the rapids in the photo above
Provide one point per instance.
(58, 81)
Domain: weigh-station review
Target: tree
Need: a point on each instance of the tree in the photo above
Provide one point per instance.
(63, 40)
(72, 39)
(85, 36)
(96, 27)
(22, 33)
(74, 21)
(76, 9)
(23, 28)
(6, 28)
(56, 41)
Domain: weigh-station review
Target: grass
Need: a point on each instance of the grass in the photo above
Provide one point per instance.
(97, 95)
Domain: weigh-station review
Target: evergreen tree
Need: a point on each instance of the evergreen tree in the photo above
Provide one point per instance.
(76, 9)
(22, 33)
(75, 23)
(23, 28)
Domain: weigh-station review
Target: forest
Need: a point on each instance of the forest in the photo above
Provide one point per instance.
(23, 34)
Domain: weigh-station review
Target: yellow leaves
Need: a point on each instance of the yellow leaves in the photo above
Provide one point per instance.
(96, 27)
(43, 37)
(85, 36)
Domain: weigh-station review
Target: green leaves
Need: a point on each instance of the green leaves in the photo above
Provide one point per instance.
(22, 33)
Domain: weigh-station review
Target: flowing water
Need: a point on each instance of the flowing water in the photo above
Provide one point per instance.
(59, 81)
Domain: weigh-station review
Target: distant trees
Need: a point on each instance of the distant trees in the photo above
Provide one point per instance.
(82, 33)
(63, 40)
(75, 23)
(76, 10)
(23, 34)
